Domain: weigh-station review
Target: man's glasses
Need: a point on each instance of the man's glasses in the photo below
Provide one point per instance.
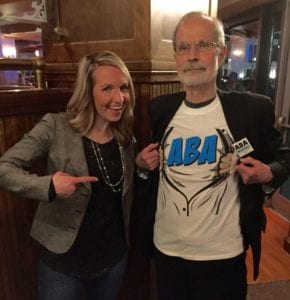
(204, 46)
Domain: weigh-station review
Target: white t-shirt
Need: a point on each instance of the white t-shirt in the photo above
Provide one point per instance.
(197, 215)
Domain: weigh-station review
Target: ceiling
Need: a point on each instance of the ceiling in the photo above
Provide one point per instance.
(227, 9)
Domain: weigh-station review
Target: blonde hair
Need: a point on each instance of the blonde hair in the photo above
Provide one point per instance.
(219, 28)
(80, 108)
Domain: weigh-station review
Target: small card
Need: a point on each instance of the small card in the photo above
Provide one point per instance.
(243, 147)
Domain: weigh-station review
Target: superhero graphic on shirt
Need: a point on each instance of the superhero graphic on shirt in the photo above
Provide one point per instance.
(185, 157)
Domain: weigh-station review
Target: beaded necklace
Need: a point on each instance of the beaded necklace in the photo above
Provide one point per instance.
(115, 187)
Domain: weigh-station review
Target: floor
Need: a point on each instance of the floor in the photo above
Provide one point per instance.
(275, 261)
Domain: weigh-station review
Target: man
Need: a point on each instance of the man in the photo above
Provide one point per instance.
(216, 151)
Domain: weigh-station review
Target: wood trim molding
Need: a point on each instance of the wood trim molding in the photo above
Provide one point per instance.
(33, 101)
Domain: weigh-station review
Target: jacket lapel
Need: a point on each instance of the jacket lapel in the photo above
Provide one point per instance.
(128, 156)
(233, 114)
(76, 155)
(165, 115)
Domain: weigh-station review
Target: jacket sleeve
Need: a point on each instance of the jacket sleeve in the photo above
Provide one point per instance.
(280, 163)
(280, 168)
(15, 164)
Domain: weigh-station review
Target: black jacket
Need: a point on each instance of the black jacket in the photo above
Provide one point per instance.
(247, 115)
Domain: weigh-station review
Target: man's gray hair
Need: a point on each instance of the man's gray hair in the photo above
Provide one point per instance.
(219, 28)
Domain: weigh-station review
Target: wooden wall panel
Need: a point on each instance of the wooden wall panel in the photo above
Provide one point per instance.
(145, 91)
(19, 111)
(2, 138)
(112, 20)
(122, 26)
(139, 31)
(18, 254)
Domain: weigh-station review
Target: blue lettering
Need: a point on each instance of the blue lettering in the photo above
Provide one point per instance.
(208, 152)
(191, 153)
(175, 154)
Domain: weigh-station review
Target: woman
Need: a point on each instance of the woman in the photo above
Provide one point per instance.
(82, 221)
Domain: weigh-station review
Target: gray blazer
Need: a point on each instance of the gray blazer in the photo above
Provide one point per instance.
(56, 223)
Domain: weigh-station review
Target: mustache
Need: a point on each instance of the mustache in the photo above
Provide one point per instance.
(192, 66)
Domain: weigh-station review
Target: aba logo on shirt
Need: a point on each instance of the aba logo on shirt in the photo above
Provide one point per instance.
(194, 151)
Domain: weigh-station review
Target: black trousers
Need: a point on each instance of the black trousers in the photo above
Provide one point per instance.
(180, 279)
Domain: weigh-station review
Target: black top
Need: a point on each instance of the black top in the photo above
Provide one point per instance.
(100, 243)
